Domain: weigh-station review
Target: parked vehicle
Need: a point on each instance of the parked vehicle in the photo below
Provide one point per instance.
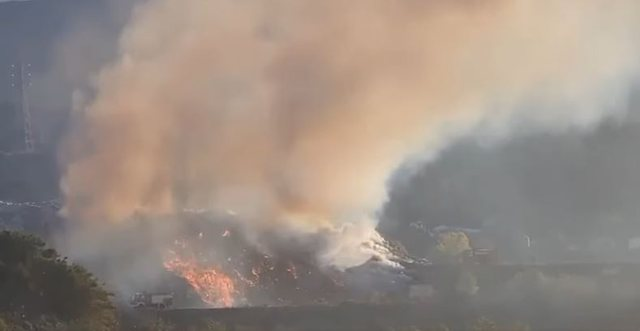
(152, 300)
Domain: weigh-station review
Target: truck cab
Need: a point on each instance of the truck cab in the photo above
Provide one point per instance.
(142, 300)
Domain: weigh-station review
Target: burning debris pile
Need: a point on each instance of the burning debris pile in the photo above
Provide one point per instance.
(225, 270)
(206, 260)
(214, 287)
(250, 278)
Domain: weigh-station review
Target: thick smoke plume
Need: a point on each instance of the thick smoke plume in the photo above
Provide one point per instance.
(293, 114)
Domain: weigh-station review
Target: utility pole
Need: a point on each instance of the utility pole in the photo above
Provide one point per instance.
(21, 80)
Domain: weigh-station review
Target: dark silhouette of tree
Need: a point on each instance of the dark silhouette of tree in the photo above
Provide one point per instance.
(36, 281)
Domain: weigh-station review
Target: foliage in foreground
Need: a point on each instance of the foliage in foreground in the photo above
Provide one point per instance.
(485, 324)
(42, 291)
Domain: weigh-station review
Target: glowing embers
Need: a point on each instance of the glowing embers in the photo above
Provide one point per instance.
(225, 269)
(214, 287)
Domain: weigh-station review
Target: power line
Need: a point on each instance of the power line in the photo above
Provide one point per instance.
(54, 204)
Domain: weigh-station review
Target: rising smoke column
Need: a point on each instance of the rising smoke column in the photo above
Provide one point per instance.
(294, 113)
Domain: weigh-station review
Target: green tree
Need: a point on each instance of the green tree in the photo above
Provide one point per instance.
(518, 326)
(452, 246)
(213, 326)
(467, 284)
(35, 281)
(484, 324)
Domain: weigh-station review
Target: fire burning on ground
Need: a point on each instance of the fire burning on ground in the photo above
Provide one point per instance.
(225, 270)
(213, 286)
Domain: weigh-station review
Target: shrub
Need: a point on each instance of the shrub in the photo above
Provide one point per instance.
(484, 324)
(44, 289)
(452, 247)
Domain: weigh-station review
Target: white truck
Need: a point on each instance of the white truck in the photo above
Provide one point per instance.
(142, 300)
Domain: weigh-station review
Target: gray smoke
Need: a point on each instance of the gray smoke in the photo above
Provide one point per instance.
(294, 114)
(566, 190)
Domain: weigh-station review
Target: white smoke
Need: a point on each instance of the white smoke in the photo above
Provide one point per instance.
(295, 113)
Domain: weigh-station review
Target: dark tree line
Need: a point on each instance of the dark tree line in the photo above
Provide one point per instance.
(40, 290)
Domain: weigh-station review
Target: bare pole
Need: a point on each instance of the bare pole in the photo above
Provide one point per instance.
(21, 80)
(25, 76)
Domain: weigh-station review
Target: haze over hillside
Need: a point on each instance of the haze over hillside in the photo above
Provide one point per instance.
(580, 181)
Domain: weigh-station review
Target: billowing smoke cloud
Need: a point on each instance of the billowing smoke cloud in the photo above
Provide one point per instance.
(572, 192)
(293, 114)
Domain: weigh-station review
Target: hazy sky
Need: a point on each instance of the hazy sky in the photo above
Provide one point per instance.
(66, 42)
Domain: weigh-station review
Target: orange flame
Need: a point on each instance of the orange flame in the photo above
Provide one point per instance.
(214, 287)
